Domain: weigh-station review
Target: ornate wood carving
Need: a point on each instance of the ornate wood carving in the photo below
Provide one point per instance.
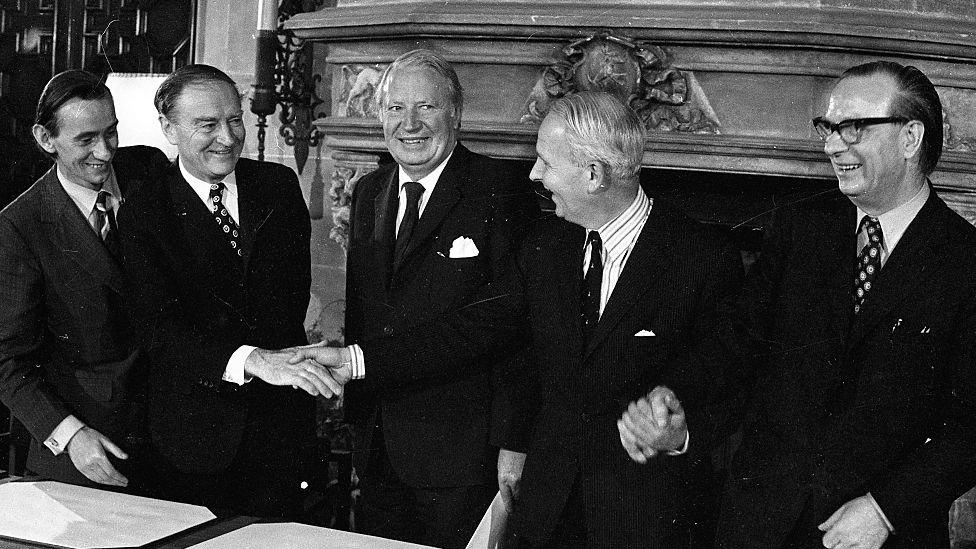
(349, 168)
(639, 74)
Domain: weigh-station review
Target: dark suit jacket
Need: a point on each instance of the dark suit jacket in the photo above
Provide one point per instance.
(194, 302)
(673, 278)
(882, 403)
(442, 435)
(65, 345)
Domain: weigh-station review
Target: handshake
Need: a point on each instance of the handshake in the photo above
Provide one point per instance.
(316, 369)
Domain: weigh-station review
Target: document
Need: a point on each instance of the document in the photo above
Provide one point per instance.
(491, 529)
(299, 536)
(65, 515)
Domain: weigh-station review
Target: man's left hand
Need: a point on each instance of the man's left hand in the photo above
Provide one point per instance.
(856, 525)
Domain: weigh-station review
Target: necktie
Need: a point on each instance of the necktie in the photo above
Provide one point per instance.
(410, 216)
(868, 261)
(226, 223)
(105, 223)
(592, 281)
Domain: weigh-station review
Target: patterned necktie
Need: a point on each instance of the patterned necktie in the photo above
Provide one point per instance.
(590, 298)
(868, 261)
(105, 224)
(410, 216)
(226, 223)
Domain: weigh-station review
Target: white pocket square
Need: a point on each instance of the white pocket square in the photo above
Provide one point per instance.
(463, 247)
(645, 333)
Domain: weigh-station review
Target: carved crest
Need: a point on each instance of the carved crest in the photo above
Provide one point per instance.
(358, 88)
(639, 74)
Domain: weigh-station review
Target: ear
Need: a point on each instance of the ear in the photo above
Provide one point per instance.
(912, 134)
(169, 129)
(43, 137)
(597, 177)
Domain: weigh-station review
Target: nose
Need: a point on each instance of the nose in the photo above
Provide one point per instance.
(834, 144)
(537, 170)
(225, 134)
(103, 150)
(411, 120)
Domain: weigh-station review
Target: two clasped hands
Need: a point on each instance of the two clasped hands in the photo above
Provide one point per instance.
(316, 369)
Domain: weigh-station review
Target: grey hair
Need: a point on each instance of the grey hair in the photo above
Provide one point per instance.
(421, 58)
(603, 129)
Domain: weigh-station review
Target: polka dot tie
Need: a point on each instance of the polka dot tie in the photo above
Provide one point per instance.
(226, 223)
(592, 282)
(868, 261)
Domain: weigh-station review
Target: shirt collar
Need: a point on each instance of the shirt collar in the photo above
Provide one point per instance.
(895, 222)
(84, 197)
(428, 181)
(202, 188)
(620, 233)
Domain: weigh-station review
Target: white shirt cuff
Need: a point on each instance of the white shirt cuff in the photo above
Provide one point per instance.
(880, 513)
(358, 362)
(234, 373)
(58, 441)
(684, 447)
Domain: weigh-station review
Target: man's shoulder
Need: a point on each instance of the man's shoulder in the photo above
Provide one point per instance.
(485, 174)
(30, 205)
(262, 170)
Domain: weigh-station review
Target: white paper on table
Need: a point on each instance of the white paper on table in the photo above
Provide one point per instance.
(290, 535)
(74, 516)
(491, 529)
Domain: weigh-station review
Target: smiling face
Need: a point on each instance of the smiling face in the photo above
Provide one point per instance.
(420, 120)
(86, 140)
(875, 172)
(206, 124)
(556, 169)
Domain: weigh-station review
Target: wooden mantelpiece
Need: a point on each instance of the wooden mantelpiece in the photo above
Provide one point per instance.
(725, 86)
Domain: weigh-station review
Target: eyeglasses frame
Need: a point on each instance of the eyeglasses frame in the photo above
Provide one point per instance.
(857, 123)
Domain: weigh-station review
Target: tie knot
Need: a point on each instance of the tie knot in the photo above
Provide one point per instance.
(871, 227)
(101, 201)
(414, 190)
(593, 239)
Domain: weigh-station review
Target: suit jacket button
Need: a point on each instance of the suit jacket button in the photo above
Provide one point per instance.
(388, 330)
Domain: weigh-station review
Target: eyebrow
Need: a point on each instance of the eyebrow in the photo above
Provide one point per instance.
(93, 133)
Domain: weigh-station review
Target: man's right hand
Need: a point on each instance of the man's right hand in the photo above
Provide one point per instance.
(275, 368)
(338, 360)
(87, 451)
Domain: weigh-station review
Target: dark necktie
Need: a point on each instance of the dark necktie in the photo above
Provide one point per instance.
(105, 222)
(226, 223)
(410, 216)
(868, 261)
(592, 281)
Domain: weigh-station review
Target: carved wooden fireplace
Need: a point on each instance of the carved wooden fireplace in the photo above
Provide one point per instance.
(727, 88)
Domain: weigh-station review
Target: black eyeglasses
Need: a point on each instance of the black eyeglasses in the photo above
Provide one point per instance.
(850, 129)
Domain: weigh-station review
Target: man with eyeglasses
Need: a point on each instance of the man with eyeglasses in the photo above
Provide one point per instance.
(860, 319)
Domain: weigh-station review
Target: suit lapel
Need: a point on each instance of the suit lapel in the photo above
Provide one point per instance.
(384, 226)
(253, 207)
(838, 257)
(917, 256)
(75, 236)
(647, 257)
(199, 227)
(445, 195)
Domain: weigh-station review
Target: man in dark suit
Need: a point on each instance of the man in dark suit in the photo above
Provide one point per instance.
(861, 313)
(613, 299)
(69, 367)
(426, 234)
(217, 254)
